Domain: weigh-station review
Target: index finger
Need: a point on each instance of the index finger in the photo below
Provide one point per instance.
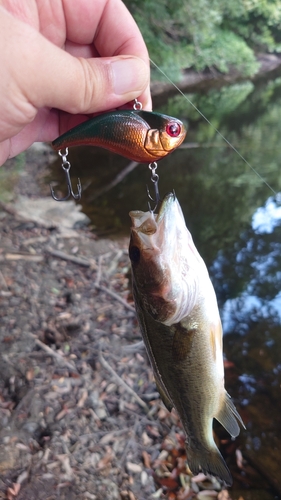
(109, 26)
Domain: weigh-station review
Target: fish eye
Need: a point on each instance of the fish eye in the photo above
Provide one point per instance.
(173, 129)
(134, 254)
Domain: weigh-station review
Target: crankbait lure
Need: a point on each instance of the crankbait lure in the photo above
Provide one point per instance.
(141, 136)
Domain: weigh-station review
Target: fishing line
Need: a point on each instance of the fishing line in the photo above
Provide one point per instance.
(214, 128)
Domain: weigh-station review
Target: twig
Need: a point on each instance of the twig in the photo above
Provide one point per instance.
(120, 381)
(22, 256)
(132, 165)
(115, 296)
(89, 263)
(8, 208)
(133, 348)
(114, 262)
(3, 281)
(98, 276)
(82, 261)
(130, 442)
(54, 354)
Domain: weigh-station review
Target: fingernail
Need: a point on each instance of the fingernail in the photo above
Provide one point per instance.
(129, 75)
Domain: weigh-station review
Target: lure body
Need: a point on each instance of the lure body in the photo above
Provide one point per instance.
(140, 136)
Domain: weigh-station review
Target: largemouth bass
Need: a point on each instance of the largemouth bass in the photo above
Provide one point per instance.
(141, 136)
(179, 319)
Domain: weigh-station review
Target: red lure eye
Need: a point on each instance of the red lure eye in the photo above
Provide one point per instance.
(173, 129)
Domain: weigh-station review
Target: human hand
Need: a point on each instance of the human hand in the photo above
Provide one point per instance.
(63, 60)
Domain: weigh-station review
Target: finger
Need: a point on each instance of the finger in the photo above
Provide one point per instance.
(51, 77)
(109, 36)
(44, 127)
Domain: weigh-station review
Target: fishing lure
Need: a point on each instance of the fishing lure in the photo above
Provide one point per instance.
(141, 136)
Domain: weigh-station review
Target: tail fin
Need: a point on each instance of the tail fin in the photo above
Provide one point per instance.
(208, 462)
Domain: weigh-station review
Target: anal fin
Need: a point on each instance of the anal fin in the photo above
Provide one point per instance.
(228, 416)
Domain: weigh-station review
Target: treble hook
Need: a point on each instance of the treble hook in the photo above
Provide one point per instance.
(66, 167)
(155, 180)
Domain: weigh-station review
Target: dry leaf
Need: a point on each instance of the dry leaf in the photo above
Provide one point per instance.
(83, 398)
(207, 495)
(105, 461)
(239, 459)
(13, 491)
(146, 459)
(29, 374)
(136, 468)
(224, 495)
(185, 493)
(199, 478)
(147, 441)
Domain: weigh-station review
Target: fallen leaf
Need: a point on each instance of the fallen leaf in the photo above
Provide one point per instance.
(147, 441)
(199, 478)
(136, 468)
(224, 495)
(29, 374)
(105, 461)
(239, 459)
(168, 482)
(185, 493)
(82, 399)
(146, 459)
(207, 495)
(13, 491)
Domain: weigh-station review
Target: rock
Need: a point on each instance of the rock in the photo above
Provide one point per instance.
(64, 215)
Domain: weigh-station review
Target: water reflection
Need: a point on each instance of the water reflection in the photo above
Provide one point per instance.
(252, 321)
(266, 218)
(237, 229)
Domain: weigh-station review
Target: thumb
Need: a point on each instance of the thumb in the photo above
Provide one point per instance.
(40, 74)
(77, 85)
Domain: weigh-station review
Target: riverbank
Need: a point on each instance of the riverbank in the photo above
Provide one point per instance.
(80, 415)
(194, 81)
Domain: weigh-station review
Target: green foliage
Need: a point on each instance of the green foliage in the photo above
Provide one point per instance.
(228, 50)
(203, 34)
(257, 21)
(215, 104)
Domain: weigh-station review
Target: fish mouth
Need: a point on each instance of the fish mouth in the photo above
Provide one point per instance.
(148, 223)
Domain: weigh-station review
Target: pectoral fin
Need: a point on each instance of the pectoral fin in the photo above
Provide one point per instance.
(157, 376)
(228, 416)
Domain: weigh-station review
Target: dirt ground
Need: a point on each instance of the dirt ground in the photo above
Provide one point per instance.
(80, 417)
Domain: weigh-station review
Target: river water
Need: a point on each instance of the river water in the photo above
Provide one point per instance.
(235, 220)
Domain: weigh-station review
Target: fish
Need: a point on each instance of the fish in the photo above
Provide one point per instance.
(179, 320)
(141, 136)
